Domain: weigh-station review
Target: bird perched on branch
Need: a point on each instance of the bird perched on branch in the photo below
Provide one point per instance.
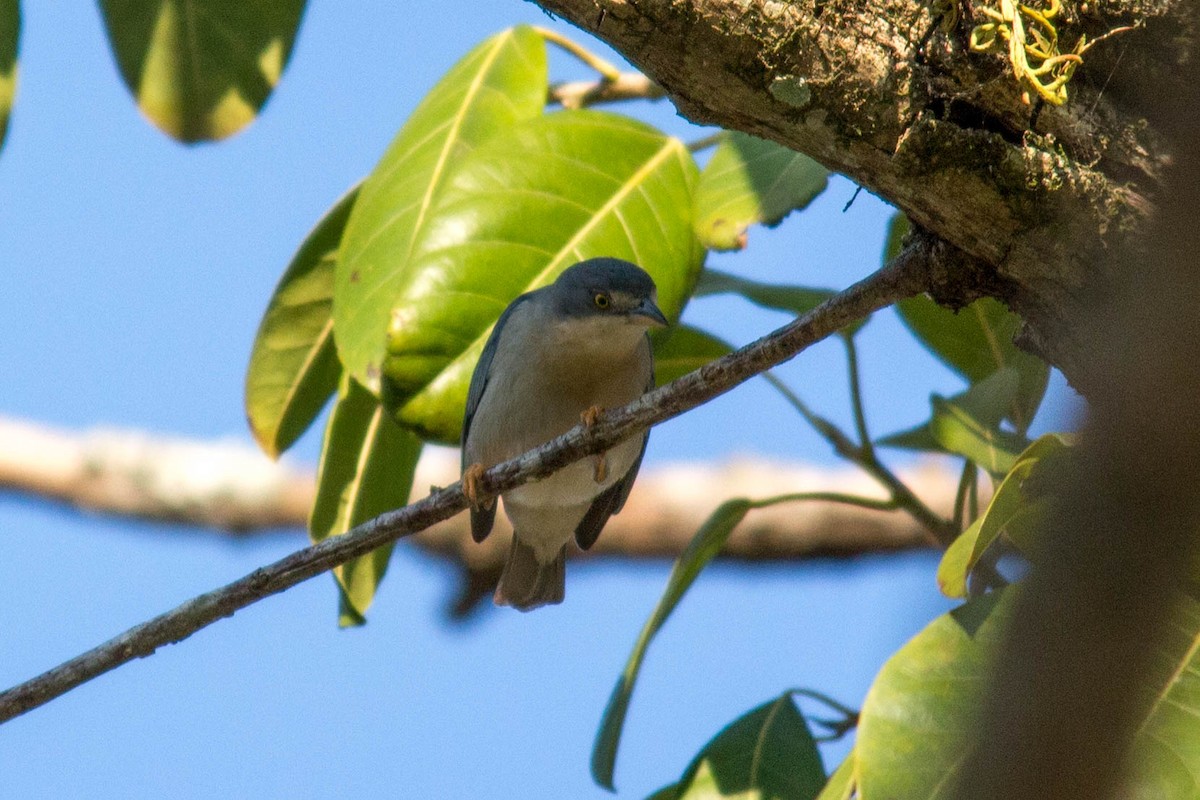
(558, 355)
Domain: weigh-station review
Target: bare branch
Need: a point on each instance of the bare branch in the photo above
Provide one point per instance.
(626, 86)
(223, 485)
(903, 277)
(234, 489)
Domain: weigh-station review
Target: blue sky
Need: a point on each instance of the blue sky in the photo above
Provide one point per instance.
(134, 274)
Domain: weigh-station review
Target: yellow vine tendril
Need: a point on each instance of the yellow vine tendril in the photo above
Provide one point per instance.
(1032, 42)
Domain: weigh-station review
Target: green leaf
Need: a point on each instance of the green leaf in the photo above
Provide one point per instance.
(707, 542)
(751, 180)
(293, 365)
(669, 792)
(10, 39)
(1010, 512)
(968, 424)
(920, 716)
(975, 341)
(767, 754)
(843, 780)
(518, 211)
(496, 86)
(1166, 750)
(954, 569)
(681, 349)
(796, 300)
(957, 431)
(367, 464)
(201, 69)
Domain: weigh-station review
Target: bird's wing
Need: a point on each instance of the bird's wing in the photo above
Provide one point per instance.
(612, 499)
(482, 519)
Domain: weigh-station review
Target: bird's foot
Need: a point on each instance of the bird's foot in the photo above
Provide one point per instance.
(590, 416)
(600, 472)
(470, 487)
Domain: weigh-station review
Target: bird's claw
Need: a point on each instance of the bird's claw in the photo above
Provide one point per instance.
(601, 468)
(590, 416)
(470, 487)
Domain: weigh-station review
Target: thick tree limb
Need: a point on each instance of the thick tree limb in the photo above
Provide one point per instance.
(234, 489)
(908, 274)
(888, 92)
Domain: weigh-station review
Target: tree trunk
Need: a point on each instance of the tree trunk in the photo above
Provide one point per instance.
(1043, 200)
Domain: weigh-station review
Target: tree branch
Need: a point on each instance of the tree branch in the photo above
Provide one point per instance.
(626, 86)
(904, 276)
(889, 93)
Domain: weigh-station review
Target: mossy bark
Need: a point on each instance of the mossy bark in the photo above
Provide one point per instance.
(889, 93)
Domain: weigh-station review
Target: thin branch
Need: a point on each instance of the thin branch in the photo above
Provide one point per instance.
(856, 400)
(903, 277)
(625, 86)
(937, 525)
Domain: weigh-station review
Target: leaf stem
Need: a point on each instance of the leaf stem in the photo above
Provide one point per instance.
(607, 71)
(860, 417)
(705, 142)
(965, 483)
(942, 530)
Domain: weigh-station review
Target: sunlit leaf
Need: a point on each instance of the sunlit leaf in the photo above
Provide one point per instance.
(748, 181)
(293, 365)
(975, 341)
(499, 84)
(920, 717)
(367, 464)
(10, 39)
(705, 545)
(523, 207)
(201, 69)
(843, 780)
(767, 754)
(681, 349)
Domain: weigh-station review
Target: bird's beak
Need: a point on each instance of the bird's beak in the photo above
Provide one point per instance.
(649, 311)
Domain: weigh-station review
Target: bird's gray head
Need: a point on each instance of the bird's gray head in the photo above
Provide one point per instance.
(601, 288)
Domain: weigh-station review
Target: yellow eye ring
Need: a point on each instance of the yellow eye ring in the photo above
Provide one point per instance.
(601, 300)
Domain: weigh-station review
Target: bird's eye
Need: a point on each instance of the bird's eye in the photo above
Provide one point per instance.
(601, 300)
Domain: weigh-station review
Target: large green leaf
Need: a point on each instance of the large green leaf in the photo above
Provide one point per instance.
(518, 211)
(751, 180)
(293, 365)
(10, 38)
(703, 547)
(681, 349)
(367, 464)
(499, 84)
(918, 721)
(975, 341)
(766, 754)
(201, 69)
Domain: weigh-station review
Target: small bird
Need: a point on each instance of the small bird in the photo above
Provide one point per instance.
(557, 356)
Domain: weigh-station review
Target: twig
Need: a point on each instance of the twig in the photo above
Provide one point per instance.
(625, 86)
(940, 528)
(903, 277)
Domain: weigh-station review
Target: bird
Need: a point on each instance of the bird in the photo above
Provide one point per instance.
(557, 356)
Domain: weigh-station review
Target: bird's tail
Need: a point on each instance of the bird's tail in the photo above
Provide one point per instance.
(526, 583)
